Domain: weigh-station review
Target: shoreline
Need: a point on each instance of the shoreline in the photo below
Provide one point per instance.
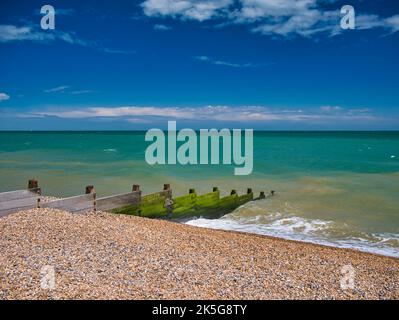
(108, 256)
(322, 242)
(338, 247)
(297, 241)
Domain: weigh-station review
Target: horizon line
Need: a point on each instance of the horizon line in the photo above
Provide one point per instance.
(145, 130)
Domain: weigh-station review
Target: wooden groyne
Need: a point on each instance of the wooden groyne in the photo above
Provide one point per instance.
(156, 205)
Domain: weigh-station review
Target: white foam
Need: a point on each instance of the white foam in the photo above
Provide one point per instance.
(110, 150)
(307, 230)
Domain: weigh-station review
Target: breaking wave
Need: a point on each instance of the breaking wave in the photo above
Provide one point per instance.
(289, 226)
(110, 150)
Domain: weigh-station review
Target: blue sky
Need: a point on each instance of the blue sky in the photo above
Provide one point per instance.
(262, 64)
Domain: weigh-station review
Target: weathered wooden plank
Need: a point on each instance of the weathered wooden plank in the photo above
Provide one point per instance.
(243, 199)
(25, 202)
(156, 197)
(113, 202)
(7, 207)
(18, 194)
(73, 204)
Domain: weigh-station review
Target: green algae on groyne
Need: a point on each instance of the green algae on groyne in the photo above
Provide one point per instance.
(155, 205)
(209, 205)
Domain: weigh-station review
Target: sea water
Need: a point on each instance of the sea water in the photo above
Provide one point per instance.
(333, 188)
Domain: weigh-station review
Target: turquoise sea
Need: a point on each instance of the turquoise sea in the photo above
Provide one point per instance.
(334, 188)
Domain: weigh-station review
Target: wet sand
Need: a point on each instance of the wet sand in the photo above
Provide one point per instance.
(107, 256)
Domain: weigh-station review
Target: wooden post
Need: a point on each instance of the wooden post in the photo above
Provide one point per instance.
(215, 189)
(233, 192)
(89, 189)
(167, 191)
(94, 202)
(249, 190)
(33, 184)
(191, 191)
(136, 188)
(262, 195)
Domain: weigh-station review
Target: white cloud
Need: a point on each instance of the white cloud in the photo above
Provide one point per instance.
(56, 89)
(364, 110)
(77, 92)
(393, 23)
(59, 12)
(4, 96)
(63, 89)
(162, 27)
(106, 50)
(226, 63)
(269, 17)
(10, 33)
(368, 21)
(304, 23)
(330, 108)
(256, 9)
(13, 33)
(200, 10)
(254, 114)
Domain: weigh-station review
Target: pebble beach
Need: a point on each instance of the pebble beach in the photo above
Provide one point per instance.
(108, 256)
